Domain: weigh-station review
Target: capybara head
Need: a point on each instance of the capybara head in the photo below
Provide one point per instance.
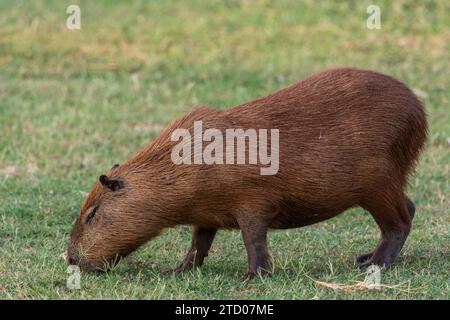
(133, 202)
(117, 217)
(102, 221)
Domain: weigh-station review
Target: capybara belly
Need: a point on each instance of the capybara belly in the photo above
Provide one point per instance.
(294, 214)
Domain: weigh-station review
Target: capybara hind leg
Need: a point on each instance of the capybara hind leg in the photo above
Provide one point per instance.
(395, 222)
(202, 239)
(411, 211)
(255, 240)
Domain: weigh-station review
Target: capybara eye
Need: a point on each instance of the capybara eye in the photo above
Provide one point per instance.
(91, 215)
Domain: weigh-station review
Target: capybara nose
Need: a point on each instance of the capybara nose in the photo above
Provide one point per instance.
(72, 257)
(71, 261)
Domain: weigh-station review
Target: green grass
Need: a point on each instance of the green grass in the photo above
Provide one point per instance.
(74, 102)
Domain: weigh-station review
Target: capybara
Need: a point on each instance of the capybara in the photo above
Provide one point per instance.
(347, 138)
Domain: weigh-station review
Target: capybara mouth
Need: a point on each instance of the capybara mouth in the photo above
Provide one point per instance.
(98, 266)
(84, 264)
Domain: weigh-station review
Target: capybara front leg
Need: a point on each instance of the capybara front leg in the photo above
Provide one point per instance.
(202, 239)
(255, 240)
(395, 224)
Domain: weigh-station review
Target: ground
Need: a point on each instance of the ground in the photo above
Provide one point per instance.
(73, 102)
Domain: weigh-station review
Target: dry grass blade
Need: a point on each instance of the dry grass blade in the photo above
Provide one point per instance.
(364, 285)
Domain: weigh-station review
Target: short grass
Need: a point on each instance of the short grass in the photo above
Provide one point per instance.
(74, 102)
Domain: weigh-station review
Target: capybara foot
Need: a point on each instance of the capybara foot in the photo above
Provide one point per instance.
(364, 265)
(364, 257)
(251, 274)
(181, 268)
(380, 263)
(248, 276)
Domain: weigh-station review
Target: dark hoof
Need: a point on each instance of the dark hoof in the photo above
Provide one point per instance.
(181, 268)
(248, 276)
(372, 262)
(364, 265)
(364, 257)
(261, 273)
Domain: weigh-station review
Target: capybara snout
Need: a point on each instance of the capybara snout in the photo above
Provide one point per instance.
(343, 138)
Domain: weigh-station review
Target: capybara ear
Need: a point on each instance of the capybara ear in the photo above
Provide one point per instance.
(115, 166)
(112, 184)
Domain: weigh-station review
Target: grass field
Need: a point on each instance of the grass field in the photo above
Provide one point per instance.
(73, 102)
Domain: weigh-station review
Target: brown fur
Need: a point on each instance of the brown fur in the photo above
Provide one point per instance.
(348, 138)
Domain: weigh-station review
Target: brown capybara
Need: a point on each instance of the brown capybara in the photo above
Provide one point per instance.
(347, 138)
